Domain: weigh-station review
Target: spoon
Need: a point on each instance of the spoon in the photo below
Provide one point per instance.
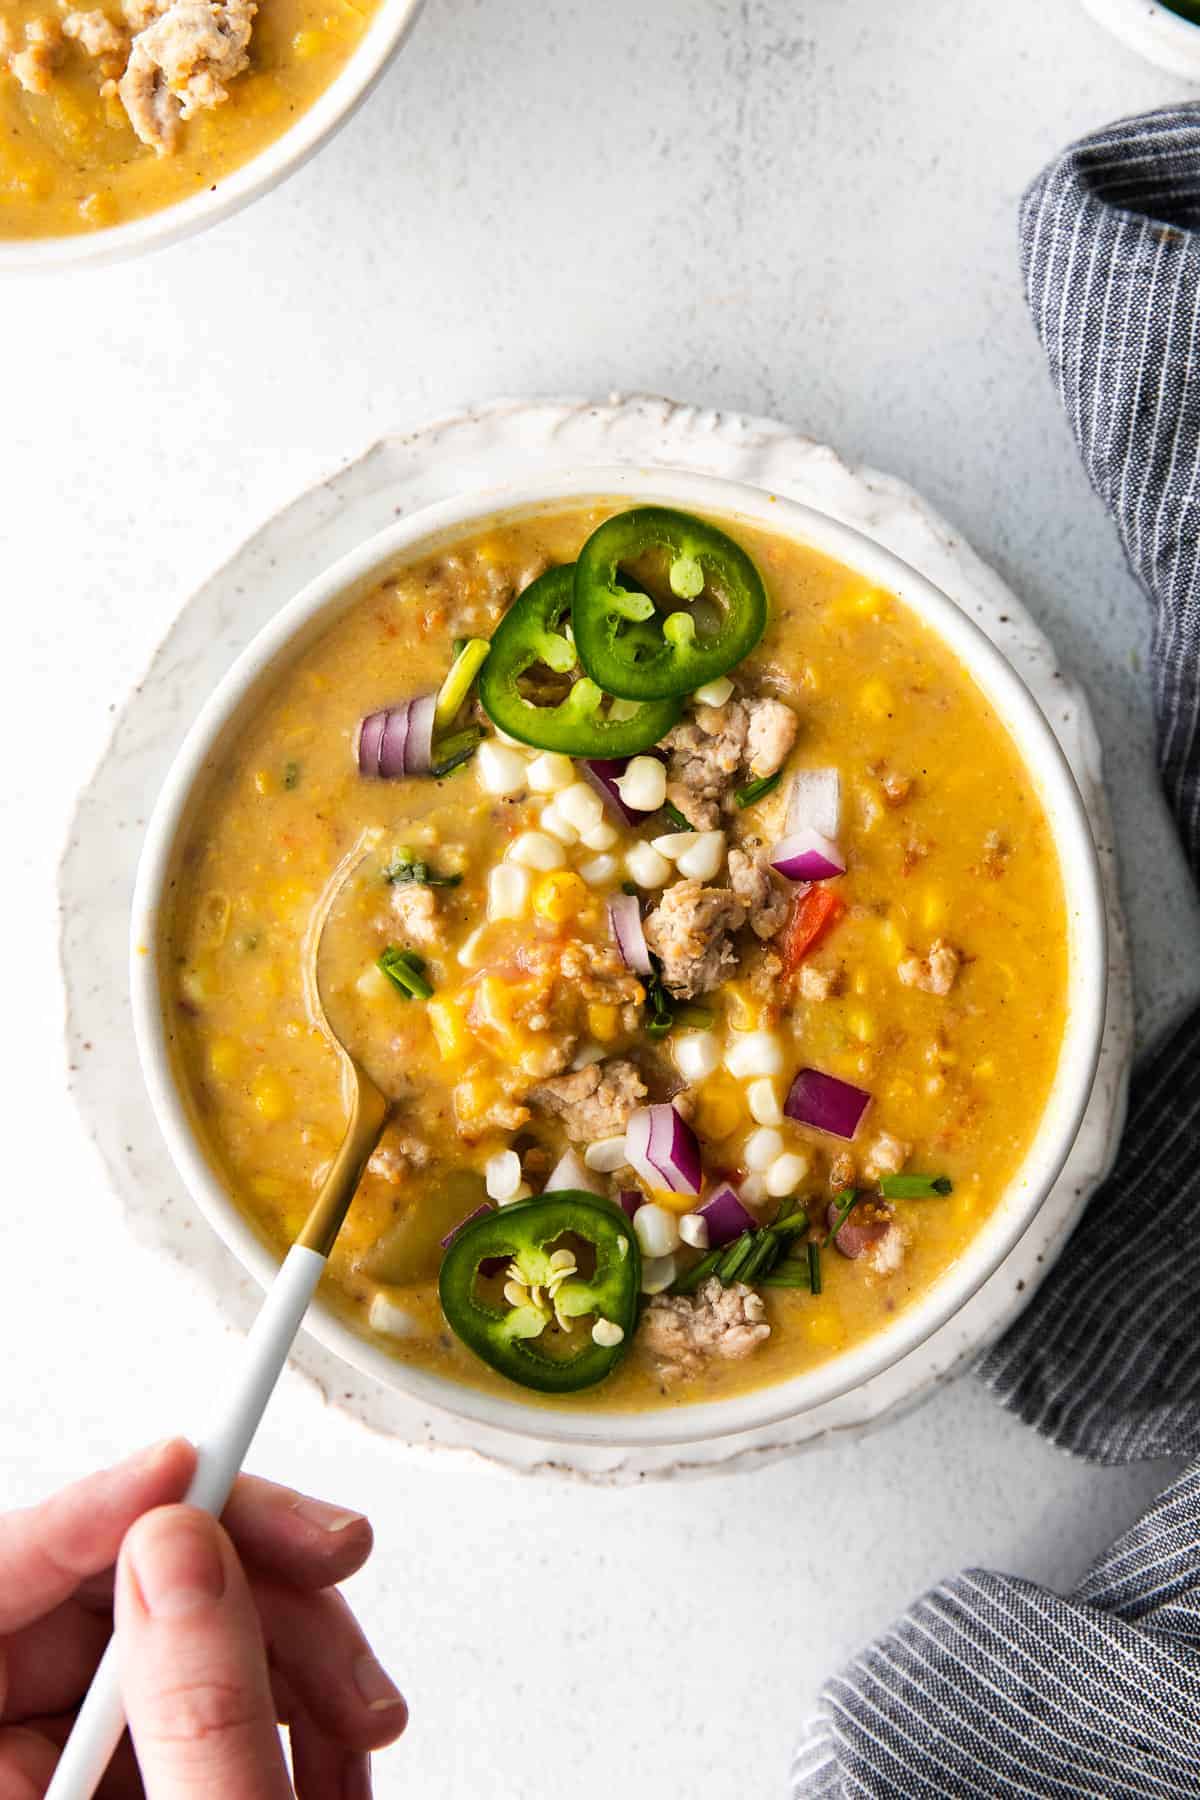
(219, 1455)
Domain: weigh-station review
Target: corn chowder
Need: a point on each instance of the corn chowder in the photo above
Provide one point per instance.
(708, 937)
(113, 111)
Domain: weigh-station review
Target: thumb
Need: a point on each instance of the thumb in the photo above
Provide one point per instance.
(193, 1667)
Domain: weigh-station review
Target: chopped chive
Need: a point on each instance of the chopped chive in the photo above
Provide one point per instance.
(690, 1280)
(676, 817)
(814, 1266)
(845, 1206)
(455, 750)
(914, 1187)
(735, 1258)
(765, 1254)
(788, 1224)
(291, 775)
(757, 790)
(409, 869)
(459, 681)
(406, 972)
(788, 1275)
(694, 1018)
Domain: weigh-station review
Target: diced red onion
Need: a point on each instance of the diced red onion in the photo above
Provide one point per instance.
(569, 1172)
(625, 917)
(664, 1149)
(397, 741)
(604, 772)
(726, 1216)
(370, 738)
(470, 1219)
(826, 1103)
(807, 856)
(856, 1236)
(631, 1199)
(815, 802)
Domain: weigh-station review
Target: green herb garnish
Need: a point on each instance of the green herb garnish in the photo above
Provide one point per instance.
(455, 750)
(406, 972)
(736, 1256)
(676, 817)
(291, 775)
(814, 1266)
(914, 1187)
(757, 790)
(788, 1224)
(690, 1280)
(409, 869)
(766, 1253)
(788, 1275)
(845, 1206)
(460, 679)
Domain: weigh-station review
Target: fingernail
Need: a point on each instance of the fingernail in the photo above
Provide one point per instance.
(177, 1565)
(326, 1517)
(356, 1778)
(376, 1687)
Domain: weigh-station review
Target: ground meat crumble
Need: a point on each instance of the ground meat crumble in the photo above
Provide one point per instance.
(684, 1334)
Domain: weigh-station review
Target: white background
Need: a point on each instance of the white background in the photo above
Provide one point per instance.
(796, 207)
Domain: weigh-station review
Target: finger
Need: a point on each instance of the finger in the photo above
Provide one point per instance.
(193, 1667)
(306, 1542)
(26, 1764)
(120, 1781)
(46, 1550)
(327, 1664)
(322, 1768)
(51, 1662)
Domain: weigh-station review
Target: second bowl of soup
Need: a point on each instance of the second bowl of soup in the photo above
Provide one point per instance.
(725, 929)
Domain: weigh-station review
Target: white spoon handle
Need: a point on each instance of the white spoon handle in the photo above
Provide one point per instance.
(101, 1721)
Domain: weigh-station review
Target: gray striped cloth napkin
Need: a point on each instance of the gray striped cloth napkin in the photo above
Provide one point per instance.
(992, 1686)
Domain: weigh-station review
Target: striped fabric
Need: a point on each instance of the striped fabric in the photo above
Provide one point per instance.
(991, 1686)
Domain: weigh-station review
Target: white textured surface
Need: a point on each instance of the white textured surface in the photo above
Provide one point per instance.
(797, 208)
(508, 442)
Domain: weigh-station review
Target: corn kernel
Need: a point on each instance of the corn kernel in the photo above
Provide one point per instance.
(307, 44)
(268, 1187)
(984, 1070)
(449, 1028)
(933, 908)
(964, 1205)
(224, 1057)
(269, 1095)
(863, 1027)
(875, 698)
(721, 1109)
(824, 1328)
(862, 981)
(559, 896)
(744, 1010)
(262, 781)
(604, 1021)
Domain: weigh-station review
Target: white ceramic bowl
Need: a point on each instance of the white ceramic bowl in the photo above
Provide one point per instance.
(382, 39)
(312, 610)
(1157, 34)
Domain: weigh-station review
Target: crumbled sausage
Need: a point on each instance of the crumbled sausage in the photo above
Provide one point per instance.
(886, 1156)
(935, 973)
(689, 933)
(996, 853)
(758, 889)
(97, 36)
(34, 66)
(181, 62)
(841, 1171)
(766, 975)
(706, 752)
(415, 908)
(770, 733)
(684, 1334)
(896, 788)
(820, 984)
(396, 1156)
(871, 1230)
(593, 1102)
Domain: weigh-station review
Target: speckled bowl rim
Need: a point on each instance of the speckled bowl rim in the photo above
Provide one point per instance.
(328, 595)
(1157, 34)
(328, 113)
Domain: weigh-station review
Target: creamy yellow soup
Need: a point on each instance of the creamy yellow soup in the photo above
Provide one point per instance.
(936, 987)
(95, 131)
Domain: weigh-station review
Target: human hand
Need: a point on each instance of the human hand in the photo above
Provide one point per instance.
(222, 1630)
